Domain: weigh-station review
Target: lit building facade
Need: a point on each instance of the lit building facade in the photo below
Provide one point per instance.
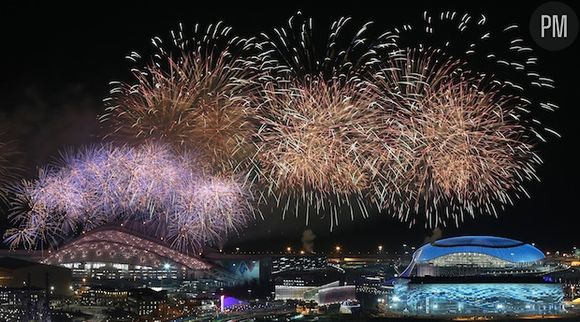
(476, 275)
(299, 263)
(330, 293)
(145, 301)
(125, 259)
(475, 256)
(23, 304)
(103, 296)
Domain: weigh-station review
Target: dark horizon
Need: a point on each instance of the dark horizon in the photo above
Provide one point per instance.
(61, 57)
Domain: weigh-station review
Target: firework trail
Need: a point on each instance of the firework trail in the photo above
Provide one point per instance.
(462, 149)
(292, 52)
(499, 52)
(461, 132)
(148, 184)
(315, 143)
(192, 95)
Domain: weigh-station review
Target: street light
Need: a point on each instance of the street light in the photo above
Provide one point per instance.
(380, 248)
(337, 248)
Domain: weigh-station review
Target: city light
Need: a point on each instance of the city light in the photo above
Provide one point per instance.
(296, 167)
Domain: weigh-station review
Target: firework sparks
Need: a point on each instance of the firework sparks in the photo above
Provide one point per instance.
(314, 145)
(107, 185)
(462, 149)
(292, 52)
(490, 49)
(192, 96)
(361, 121)
(317, 118)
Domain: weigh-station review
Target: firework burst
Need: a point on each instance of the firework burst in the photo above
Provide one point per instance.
(361, 121)
(462, 149)
(317, 119)
(193, 95)
(292, 52)
(315, 144)
(499, 52)
(225, 207)
(147, 184)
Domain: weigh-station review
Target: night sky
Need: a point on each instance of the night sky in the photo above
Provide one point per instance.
(58, 60)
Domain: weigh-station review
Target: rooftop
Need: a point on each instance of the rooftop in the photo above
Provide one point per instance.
(481, 241)
(503, 248)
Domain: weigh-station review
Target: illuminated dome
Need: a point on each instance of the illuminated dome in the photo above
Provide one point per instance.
(120, 248)
(474, 255)
(503, 248)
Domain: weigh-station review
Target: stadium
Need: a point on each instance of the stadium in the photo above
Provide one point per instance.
(476, 275)
(116, 255)
(476, 255)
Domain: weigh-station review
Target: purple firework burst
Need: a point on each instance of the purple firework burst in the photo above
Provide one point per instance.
(147, 184)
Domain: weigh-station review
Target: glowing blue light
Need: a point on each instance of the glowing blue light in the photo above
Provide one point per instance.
(484, 298)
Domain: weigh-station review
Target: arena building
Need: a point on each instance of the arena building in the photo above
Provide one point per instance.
(475, 275)
(119, 256)
(477, 255)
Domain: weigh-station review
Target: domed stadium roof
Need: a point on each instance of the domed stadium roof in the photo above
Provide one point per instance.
(483, 241)
(116, 245)
(503, 248)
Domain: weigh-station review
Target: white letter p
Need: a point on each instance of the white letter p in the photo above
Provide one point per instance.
(546, 24)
